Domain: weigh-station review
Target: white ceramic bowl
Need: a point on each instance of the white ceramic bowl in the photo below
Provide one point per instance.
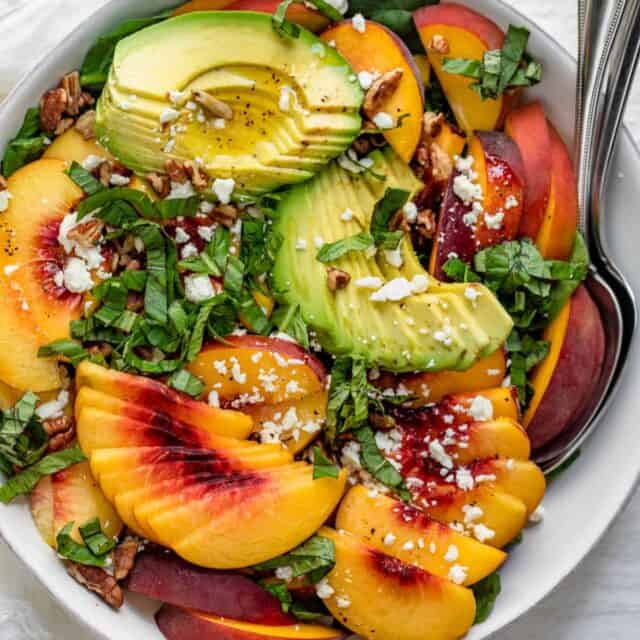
(580, 506)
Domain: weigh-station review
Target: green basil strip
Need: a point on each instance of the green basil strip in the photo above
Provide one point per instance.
(155, 295)
(331, 251)
(137, 199)
(98, 543)
(186, 383)
(177, 207)
(322, 466)
(69, 549)
(74, 351)
(84, 179)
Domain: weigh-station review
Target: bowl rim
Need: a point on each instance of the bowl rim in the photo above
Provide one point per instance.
(629, 490)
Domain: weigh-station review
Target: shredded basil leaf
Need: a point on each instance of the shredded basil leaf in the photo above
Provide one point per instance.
(26, 480)
(322, 466)
(156, 302)
(96, 541)
(84, 179)
(69, 549)
(28, 145)
(186, 383)
(177, 207)
(391, 202)
(70, 349)
(331, 251)
(137, 199)
(314, 559)
(289, 320)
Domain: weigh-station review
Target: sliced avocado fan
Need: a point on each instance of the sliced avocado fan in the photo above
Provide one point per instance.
(436, 326)
(295, 101)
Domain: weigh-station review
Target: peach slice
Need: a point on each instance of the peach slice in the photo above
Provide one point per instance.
(101, 430)
(564, 380)
(415, 538)
(501, 176)
(465, 34)
(528, 127)
(163, 576)
(249, 521)
(434, 386)
(71, 495)
(8, 396)
(72, 147)
(424, 67)
(177, 624)
(450, 140)
(34, 310)
(378, 50)
(388, 599)
(558, 230)
(143, 391)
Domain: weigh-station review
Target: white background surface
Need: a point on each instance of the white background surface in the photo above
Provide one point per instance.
(601, 600)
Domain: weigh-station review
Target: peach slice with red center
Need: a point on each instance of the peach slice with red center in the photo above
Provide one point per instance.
(428, 387)
(167, 403)
(558, 230)
(415, 538)
(463, 230)
(162, 576)
(453, 31)
(563, 382)
(388, 599)
(275, 381)
(528, 127)
(34, 310)
(176, 623)
(71, 495)
(378, 50)
(300, 14)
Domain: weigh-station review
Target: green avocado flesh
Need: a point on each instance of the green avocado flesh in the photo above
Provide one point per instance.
(441, 328)
(238, 58)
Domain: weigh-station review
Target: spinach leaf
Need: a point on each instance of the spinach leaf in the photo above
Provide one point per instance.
(27, 479)
(314, 559)
(96, 65)
(29, 144)
(486, 592)
(322, 466)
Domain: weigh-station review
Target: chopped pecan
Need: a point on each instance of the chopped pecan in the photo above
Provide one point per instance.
(105, 171)
(225, 214)
(176, 171)
(87, 233)
(198, 177)
(86, 100)
(64, 125)
(439, 44)
(215, 107)
(85, 125)
(384, 87)
(54, 426)
(124, 557)
(98, 581)
(337, 279)
(441, 164)
(422, 156)
(52, 105)
(160, 183)
(135, 301)
(426, 224)
(71, 84)
(61, 440)
(101, 349)
(432, 124)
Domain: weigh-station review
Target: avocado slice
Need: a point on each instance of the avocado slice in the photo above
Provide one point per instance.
(238, 58)
(449, 326)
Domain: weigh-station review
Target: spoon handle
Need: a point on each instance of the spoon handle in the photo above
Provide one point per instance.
(609, 49)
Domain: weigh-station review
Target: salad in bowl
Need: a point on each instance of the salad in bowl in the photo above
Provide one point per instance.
(291, 300)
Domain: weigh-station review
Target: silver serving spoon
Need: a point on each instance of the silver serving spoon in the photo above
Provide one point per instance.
(609, 49)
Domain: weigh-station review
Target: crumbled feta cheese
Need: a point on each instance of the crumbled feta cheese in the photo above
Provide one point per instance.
(180, 190)
(206, 233)
(213, 399)
(92, 162)
(419, 283)
(12, 268)
(511, 202)
(481, 409)
(471, 293)
(394, 257)
(54, 408)
(458, 574)
(383, 120)
(301, 244)
(408, 546)
(342, 6)
(318, 242)
(389, 539)
(182, 236)
(169, 115)
(452, 553)
(494, 221)
(237, 374)
(175, 96)
(471, 513)
(198, 288)
(464, 479)
(189, 251)
(410, 212)
(116, 180)
(394, 290)
(537, 516)
(324, 590)
(169, 147)
(284, 573)
(77, 277)
(343, 602)
(389, 441)
(350, 457)
(494, 372)
(346, 215)
(219, 123)
(464, 164)
(284, 101)
(465, 189)
(482, 533)
(223, 188)
(359, 23)
(437, 452)
(366, 79)
(369, 282)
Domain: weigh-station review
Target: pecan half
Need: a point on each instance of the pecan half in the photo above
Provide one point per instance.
(225, 214)
(85, 125)
(441, 164)
(215, 107)
(426, 224)
(432, 124)
(52, 105)
(384, 87)
(160, 183)
(176, 171)
(71, 84)
(86, 100)
(105, 172)
(124, 557)
(198, 177)
(337, 279)
(98, 581)
(54, 426)
(61, 440)
(87, 233)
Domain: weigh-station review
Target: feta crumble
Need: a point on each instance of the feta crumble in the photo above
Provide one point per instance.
(458, 574)
(481, 409)
(54, 408)
(169, 115)
(223, 188)
(383, 120)
(410, 212)
(359, 23)
(198, 288)
(77, 277)
(213, 399)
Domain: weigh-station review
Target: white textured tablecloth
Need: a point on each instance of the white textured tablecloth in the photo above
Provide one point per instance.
(600, 601)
